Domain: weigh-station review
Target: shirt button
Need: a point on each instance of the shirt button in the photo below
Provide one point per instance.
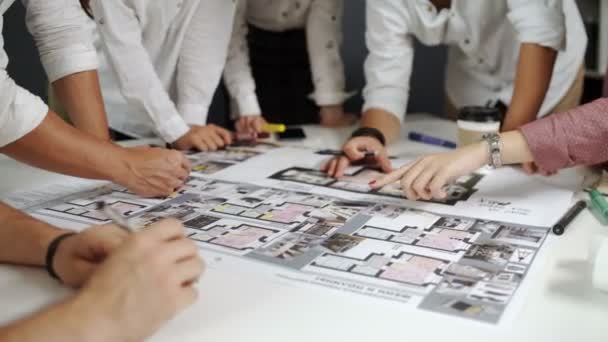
(429, 8)
(467, 41)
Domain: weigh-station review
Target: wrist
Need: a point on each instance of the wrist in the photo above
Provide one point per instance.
(370, 132)
(121, 166)
(53, 251)
(44, 241)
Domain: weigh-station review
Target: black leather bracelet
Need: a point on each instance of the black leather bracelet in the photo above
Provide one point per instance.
(50, 254)
(369, 132)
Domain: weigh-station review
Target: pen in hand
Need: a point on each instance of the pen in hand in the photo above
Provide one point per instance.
(116, 217)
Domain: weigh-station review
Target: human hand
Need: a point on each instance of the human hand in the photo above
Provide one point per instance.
(204, 138)
(354, 151)
(78, 256)
(145, 282)
(152, 172)
(250, 124)
(426, 177)
(334, 116)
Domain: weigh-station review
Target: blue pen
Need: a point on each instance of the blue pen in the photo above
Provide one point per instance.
(427, 139)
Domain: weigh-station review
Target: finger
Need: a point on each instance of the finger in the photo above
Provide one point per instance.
(217, 139)
(210, 143)
(326, 165)
(257, 125)
(409, 177)
(225, 135)
(332, 167)
(241, 126)
(342, 165)
(185, 164)
(384, 163)
(391, 177)
(438, 184)
(200, 144)
(420, 186)
(189, 271)
(353, 151)
(165, 230)
(178, 250)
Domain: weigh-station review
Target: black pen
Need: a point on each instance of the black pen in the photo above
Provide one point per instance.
(339, 153)
(560, 226)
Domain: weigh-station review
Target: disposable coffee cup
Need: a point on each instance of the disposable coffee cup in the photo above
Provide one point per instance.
(474, 122)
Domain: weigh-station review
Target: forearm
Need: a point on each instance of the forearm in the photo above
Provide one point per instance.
(534, 72)
(74, 320)
(59, 147)
(23, 239)
(80, 95)
(383, 121)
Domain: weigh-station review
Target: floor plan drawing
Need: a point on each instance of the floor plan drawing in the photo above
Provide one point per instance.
(208, 163)
(358, 182)
(460, 266)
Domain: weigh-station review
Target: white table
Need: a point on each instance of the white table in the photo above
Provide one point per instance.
(559, 303)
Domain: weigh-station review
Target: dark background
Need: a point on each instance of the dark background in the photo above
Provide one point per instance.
(427, 80)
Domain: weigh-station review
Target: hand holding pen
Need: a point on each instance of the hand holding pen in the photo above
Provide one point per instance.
(363, 149)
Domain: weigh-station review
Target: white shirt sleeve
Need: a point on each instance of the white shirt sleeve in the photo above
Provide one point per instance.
(20, 111)
(64, 43)
(237, 74)
(540, 22)
(388, 67)
(139, 83)
(324, 35)
(202, 58)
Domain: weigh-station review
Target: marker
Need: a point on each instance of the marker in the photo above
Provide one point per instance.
(116, 218)
(599, 203)
(569, 216)
(427, 139)
(274, 128)
(339, 153)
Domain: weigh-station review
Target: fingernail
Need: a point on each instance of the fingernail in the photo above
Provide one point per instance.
(372, 182)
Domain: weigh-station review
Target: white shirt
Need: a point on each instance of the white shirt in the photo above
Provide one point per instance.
(483, 38)
(64, 47)
(161, 62)
(322, 20)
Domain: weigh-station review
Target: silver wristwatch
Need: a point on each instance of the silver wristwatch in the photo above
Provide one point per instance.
(494, 146)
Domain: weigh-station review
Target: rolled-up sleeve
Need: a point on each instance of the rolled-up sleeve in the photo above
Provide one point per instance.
(575, 137)
(20, 111)
(63, 38)
(324, 35)
(539, 22)
(388, 67)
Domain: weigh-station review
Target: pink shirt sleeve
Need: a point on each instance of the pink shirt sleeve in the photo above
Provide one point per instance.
(575, 137)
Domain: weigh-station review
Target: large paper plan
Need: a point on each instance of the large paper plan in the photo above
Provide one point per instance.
(307, 228)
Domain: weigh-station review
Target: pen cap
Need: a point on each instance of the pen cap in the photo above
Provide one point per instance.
(599, 202)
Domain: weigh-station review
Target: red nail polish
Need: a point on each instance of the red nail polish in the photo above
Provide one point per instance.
(372, 182)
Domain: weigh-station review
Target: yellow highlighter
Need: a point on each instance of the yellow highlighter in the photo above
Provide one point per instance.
(274, 128)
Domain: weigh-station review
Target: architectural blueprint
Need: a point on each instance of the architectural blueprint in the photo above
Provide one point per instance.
(455, 265)
(331, 234)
